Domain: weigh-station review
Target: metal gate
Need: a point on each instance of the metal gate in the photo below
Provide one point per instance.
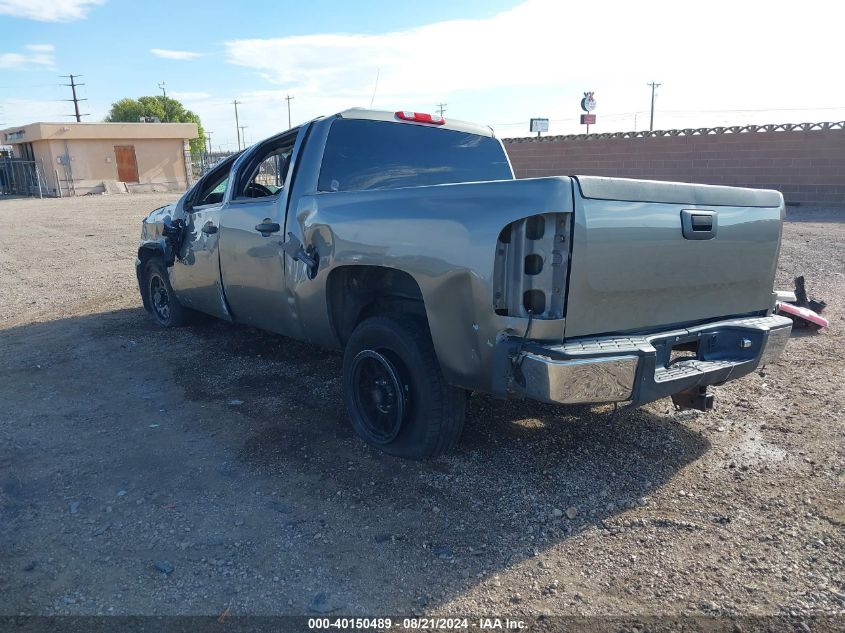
(20, 177)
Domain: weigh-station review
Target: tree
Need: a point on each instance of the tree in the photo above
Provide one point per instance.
(171, 111)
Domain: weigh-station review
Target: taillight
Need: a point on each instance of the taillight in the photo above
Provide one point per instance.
(420, 117)
(531, 267)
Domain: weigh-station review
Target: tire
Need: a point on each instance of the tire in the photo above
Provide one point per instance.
(395, 393)
(160, 298)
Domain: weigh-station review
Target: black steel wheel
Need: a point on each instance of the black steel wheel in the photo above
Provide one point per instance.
(380, 394)
(395, 392)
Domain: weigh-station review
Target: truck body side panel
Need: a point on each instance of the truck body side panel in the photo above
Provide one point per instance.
(445, 237)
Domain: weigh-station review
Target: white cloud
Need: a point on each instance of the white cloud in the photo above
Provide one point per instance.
(34, 57)
(537, 58)
(170, 54)
(48, 10)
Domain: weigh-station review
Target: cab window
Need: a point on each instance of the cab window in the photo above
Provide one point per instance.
(362, 154)
(212, 187)
(213, 192)
(265, 174)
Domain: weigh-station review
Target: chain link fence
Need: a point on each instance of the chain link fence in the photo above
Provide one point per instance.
(202, 164)
(20, 177)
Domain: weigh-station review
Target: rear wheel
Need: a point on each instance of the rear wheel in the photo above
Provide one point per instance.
(397, 398)
(162, 302)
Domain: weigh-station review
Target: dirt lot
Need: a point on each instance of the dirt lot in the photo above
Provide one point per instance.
(191, 471)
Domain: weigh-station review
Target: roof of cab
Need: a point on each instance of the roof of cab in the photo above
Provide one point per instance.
(385, 115)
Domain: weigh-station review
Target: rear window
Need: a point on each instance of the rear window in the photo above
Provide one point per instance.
(382, 155)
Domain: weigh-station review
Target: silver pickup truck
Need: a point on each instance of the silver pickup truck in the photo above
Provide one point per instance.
(405, 241)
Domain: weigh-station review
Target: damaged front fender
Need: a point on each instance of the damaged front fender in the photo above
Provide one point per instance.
(161, 236)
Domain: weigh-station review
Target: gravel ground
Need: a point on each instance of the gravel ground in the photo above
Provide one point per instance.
(207, 468)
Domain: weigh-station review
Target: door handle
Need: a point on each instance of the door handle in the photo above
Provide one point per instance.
(266, 228)
(208, 228)
(699, 225)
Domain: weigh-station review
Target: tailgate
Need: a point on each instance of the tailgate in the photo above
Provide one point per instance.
(649, 254)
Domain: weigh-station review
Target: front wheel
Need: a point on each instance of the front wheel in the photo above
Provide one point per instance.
(395, 393)
(162, 302)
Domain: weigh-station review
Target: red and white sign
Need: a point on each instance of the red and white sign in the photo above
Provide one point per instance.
(588, 103)
(588, 119)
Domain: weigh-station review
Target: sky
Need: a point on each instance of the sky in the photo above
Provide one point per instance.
(495, 62)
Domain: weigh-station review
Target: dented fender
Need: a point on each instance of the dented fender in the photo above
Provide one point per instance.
(160, 233)
(445, 237)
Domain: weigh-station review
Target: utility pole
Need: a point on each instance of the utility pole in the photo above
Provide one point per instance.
(237, 124)
(73, 85)
(164, 92)
(288, 98)
(654, 86)
(206, 160)
(243, 134)
(441, 108)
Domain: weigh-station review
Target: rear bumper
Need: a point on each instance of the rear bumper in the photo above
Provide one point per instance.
(641, 369)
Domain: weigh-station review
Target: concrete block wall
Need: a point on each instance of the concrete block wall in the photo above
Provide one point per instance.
(808, 167)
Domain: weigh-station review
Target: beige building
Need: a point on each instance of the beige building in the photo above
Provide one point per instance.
(80, 158)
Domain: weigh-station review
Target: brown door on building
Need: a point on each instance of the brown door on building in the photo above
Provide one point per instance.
(127, 166)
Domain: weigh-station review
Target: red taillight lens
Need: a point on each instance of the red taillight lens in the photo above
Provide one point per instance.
(420, 117)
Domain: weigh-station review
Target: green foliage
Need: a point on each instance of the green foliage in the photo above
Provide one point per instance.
(171, 111)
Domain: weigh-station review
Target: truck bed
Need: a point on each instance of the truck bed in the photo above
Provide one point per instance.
(633, 268)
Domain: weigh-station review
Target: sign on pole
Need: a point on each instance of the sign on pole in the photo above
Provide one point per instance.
(588, 104)
(539, 125)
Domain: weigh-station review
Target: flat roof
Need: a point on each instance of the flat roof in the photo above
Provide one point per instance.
(97, 131)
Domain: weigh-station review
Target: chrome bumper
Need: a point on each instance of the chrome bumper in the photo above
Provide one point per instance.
(640, 369)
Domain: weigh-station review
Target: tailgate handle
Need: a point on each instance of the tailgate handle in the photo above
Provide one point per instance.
(698, 225)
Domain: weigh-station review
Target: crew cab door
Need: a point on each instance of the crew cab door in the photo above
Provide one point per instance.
(196, 271)
(252, 262)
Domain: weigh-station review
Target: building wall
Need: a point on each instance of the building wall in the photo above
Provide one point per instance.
(808, 167)
(161, 163)
(160, 152)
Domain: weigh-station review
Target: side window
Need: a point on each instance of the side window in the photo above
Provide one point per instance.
(212, 192)
(265, 176)
(212, 186)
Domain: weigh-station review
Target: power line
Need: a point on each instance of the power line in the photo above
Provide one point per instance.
(752, 110)
(441, 108)
(75, 99)
(672, 113)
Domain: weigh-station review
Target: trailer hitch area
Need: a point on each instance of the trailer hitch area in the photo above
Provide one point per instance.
(693, 398)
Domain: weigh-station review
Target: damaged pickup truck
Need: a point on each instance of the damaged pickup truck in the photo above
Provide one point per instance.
(405, 241)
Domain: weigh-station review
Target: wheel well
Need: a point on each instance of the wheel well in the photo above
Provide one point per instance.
(145, 254)
(358, 292)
